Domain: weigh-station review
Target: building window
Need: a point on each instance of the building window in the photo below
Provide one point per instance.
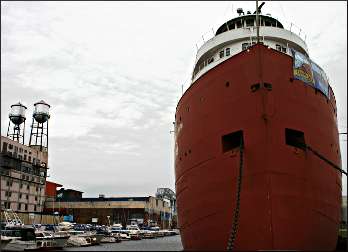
(34, 159)
(222, 54)
(28, 187)
(34, 208)
(25, 151)
(20, 157)
(35, 198)
(20, 150)
(19, 206)
(16, 149)
(29, 158)
(10, 146)
(20, 195)
(37, 189)
(27, 196)
(26, 207)
(25, 157)
(7, 205)
(9, 183)
(29, 152)
(228, 52)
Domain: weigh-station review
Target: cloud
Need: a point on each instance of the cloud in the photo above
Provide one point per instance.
(112, 73)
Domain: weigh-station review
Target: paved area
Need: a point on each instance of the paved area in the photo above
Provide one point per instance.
(170, 243)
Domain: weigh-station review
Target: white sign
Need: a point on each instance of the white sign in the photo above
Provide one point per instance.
(94, 220)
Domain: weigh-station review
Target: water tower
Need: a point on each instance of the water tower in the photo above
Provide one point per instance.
(17, 117)
(39, 126)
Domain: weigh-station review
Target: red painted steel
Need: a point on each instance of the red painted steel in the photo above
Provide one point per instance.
(51, 189)
(290, 199)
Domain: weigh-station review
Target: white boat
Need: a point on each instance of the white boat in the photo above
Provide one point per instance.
(118, 229)
(64, 226)
(51, 240)
(147, 234)
(22, 238)
(108, 239)
(134, 232)
(4, 241)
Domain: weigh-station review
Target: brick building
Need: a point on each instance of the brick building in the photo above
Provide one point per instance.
(23, 172)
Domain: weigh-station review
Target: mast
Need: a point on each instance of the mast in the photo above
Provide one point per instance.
(257, 22)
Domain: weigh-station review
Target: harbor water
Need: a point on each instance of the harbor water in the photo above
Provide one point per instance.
(169, 243)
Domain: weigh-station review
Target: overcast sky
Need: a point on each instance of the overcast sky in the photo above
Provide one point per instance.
(113, 72)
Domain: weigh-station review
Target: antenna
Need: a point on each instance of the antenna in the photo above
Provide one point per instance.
(257, 21)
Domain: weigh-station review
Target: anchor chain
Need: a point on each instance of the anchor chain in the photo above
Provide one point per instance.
(233, 234)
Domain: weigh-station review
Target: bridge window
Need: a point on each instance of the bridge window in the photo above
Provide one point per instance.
(245, 46)
(239, 24)
(283, 49)
(222, 54)
(279, 48)
(228, 52)
(250, 22)
(211, 60)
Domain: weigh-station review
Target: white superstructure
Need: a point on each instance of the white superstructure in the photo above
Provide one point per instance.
(238, 34)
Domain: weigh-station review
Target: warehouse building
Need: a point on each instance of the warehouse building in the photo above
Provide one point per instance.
(109, 210)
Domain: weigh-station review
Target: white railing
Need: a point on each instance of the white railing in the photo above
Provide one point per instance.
(210, 34)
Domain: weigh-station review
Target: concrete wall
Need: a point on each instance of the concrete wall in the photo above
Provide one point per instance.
(38, 218)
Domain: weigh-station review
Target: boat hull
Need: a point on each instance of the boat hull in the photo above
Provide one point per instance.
(289, 199)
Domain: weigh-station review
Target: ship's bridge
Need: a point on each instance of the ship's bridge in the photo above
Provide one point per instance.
(239, 34)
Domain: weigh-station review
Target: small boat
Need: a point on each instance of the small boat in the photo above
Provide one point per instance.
(22, 238)
(117, 229)
(46, 239)
(109, 237)
(64, 226)
(4, 241)
(134, 232)
(147, 234)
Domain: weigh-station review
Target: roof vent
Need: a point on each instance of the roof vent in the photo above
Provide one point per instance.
(240, 11)
(248, 12)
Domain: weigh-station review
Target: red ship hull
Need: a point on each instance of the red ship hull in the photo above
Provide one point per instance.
(290, 199)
